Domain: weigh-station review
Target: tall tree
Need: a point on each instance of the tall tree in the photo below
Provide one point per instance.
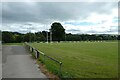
(29, 37)
(58, 32)
(18, 38)
(7, 37)
(40, 36)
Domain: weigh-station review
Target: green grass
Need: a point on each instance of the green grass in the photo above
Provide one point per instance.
(82, 59)
(12, 43)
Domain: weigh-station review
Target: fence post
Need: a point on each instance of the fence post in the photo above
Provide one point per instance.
(32, 49)
(37, 54)
(44, 58)
(60, 72)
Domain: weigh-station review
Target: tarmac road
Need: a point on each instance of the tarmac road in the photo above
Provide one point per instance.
(18, 63)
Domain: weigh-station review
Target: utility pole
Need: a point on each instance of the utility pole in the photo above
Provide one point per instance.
(50, 35)
(47, 36)
(29, 34)
(46, 33)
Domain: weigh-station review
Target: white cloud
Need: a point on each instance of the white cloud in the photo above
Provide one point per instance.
(103, 23)
(28, 16)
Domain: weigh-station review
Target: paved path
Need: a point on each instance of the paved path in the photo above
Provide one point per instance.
(18, 63)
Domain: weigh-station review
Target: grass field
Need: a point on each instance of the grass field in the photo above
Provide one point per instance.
(83, 59)
(12, 43)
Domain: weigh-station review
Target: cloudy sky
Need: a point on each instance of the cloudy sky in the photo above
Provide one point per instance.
(76, 17)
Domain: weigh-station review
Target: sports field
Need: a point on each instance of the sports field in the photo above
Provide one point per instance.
(83, 59)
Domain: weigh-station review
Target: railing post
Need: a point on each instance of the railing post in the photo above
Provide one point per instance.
(37, 54)
(44, 58)
(60, 72)
(32, 49)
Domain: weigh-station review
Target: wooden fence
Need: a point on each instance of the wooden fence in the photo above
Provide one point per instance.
(39, 53)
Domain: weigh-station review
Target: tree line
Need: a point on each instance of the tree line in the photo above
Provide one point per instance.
(15, 37)
(56, 33)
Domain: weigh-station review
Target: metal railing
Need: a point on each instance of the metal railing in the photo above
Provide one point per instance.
(39, 53)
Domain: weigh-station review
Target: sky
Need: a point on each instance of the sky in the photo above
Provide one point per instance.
(76, 17)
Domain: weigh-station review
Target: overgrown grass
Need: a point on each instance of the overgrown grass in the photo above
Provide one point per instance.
(82, 59)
